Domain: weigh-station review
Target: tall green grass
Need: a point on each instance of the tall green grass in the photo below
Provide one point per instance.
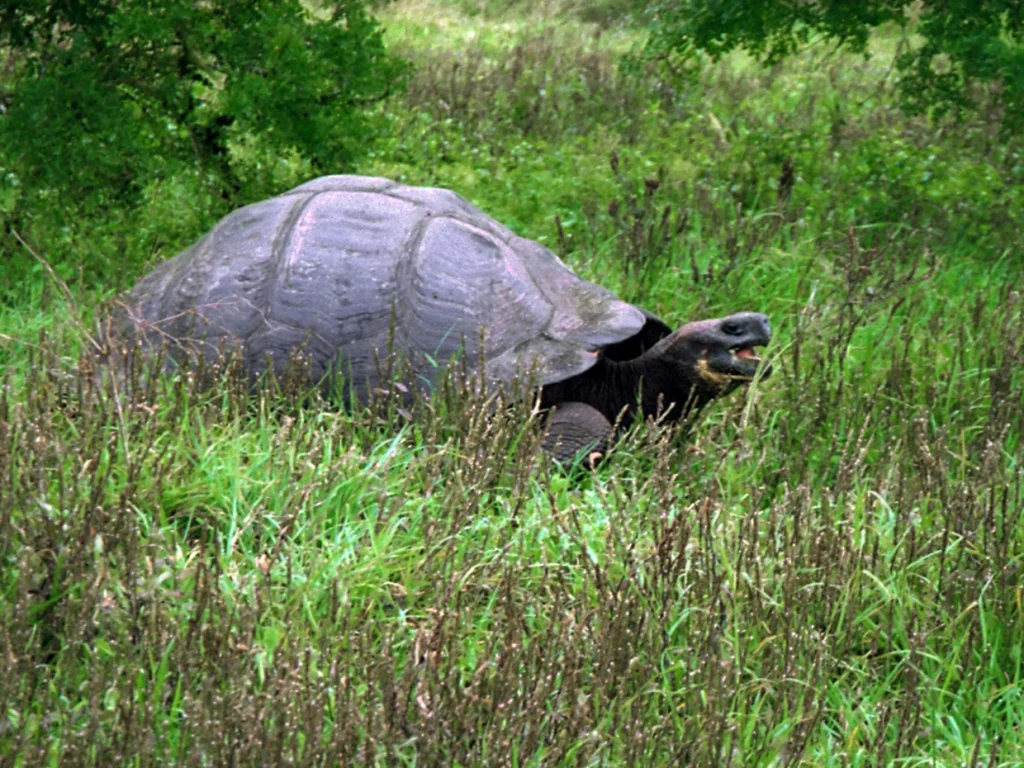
(824, 570)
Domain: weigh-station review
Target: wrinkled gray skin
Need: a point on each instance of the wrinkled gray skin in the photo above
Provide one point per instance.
(679, 374)
(336, 266)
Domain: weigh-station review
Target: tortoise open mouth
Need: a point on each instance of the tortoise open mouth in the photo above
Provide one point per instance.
(746, 353)
(748, 362)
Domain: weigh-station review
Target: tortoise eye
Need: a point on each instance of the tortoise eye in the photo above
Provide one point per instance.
(732, 328)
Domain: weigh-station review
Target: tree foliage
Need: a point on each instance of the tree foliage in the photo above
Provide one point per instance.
(964, 41)
(103, 96)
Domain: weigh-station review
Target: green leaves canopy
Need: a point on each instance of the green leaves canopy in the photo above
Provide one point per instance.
(963, 41)
(107, 95)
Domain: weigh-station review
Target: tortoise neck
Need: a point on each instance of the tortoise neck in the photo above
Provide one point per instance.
(659, 388)
(655, 382)
(647, 382)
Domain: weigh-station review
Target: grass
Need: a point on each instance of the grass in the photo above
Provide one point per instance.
(824, 570)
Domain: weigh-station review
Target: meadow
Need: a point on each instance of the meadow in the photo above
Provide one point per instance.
(823, 570)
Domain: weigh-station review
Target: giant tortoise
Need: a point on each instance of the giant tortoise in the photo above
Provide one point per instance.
(347, 269)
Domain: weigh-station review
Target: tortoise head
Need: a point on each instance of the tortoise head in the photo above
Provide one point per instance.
(719, 355)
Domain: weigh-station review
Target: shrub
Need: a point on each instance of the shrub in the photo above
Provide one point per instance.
(963, 42)
(107, 99)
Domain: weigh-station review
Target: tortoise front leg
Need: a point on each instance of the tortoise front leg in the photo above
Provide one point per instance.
(573, 428)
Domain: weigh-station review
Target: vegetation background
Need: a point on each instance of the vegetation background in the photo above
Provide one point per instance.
(825, 570)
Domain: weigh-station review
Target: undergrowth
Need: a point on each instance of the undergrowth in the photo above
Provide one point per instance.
(824, 570)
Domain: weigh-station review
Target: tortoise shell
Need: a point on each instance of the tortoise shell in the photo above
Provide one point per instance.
(346, 269)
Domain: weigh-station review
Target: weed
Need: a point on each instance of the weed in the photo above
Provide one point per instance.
(823, 571)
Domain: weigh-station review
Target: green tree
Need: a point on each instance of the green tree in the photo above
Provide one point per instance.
(963, 41)
(107, 95)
